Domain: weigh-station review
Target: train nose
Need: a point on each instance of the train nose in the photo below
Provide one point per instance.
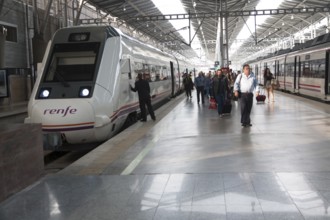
(75, 119)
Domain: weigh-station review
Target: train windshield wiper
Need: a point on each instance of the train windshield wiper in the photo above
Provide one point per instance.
(59, 76)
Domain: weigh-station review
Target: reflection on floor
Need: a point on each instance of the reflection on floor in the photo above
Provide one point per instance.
(196, 165)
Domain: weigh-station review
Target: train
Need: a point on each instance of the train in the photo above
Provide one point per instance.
(303, 70)
(82, 94)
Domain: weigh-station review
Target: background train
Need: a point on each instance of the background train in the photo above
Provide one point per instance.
(303, 69)
(83, 95)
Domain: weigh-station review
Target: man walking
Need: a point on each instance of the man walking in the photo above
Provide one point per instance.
(246, 83)
(143, 89)
(199, 84)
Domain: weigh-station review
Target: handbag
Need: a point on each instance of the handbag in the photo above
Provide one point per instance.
(275, 84)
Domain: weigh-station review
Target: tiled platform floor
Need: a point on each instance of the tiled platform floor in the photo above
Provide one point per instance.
(194, 165)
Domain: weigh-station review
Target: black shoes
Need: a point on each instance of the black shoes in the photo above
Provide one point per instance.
(144, 120)
(247, 125)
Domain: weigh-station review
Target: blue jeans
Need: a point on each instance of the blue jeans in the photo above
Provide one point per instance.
(207, 91)
(221, 101)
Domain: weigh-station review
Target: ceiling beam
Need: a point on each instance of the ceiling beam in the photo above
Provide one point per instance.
(284, 11)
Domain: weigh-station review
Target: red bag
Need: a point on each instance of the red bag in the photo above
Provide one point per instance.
(213, 104)
(261, 98)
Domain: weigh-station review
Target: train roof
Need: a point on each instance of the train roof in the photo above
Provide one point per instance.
(322, 39)
(109, 31)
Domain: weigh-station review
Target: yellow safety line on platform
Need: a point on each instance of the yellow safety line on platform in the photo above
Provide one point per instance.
(137, 160)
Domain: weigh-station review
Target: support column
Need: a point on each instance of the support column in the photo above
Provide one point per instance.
(2, 46)
(328, 23)
(65, 13)
(50, 2)
(223, 39)
(221, 36)
(80, 6)
(226, 45)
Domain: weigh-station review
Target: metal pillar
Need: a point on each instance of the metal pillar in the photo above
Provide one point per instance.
(65, 13)
(50, 2)
(36, 16)
(80, 6)
(3, 33)
(221, 37)
(1, 5)
(226, 46)
(29, 30)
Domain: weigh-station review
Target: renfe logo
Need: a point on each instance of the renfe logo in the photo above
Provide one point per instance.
(62, 112)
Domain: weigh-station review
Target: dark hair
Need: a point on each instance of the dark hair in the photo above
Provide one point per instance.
(265, 71)
(246, 65)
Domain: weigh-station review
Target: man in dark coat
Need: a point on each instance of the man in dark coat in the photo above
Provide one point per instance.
(143, 89)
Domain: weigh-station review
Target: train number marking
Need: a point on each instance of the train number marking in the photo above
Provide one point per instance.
(60, 111)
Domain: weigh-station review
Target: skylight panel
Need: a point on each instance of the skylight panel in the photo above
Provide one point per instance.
(245, 32)
(176, 7)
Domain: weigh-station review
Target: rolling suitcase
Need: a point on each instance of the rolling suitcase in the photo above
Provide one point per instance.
(261, 97)
(227, 107)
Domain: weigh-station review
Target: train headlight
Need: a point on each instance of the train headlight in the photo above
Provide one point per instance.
(44, 93)
(85, 91)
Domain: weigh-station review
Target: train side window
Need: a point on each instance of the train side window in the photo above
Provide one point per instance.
(281, 70)
(289, 69)
(138, 68)
(146, 72)
(152, 73)
(321, 69)
(317, 68)
(306, 69)
(164, 73)
(158, 73)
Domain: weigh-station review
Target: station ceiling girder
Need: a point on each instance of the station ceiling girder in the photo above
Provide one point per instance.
(145, 18)
(284, 11)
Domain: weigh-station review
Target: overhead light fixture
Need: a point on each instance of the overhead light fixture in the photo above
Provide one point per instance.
(195, 4)
(124, 9)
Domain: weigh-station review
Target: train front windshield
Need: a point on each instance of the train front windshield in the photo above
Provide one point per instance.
(72, 62)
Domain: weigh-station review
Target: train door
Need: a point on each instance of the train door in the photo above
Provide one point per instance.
(327, 73)
(172, 79)
(256, 71)
(277, 67)
(296, 73)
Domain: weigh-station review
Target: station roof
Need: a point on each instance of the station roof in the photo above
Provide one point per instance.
(276, 28)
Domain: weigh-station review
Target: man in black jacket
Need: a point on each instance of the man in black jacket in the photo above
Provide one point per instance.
(143, 89)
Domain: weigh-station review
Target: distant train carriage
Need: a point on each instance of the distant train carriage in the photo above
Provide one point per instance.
(82, 94)
(305, 70)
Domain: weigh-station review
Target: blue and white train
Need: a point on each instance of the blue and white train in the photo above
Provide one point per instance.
(304, 70)
(82, 93)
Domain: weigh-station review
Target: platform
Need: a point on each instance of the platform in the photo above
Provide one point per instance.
(192, 164)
